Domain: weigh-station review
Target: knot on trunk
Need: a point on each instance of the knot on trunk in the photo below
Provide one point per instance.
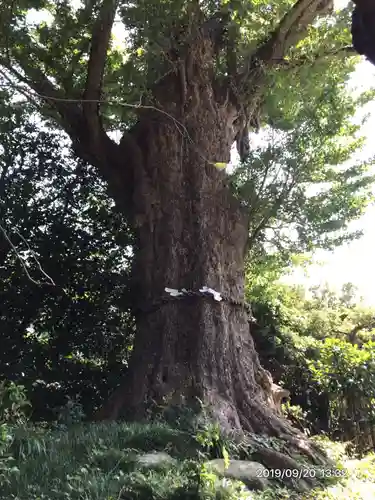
(275, 393)
(279, 394)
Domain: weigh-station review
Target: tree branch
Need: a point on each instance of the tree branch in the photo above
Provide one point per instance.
(104, 153)
(352, 335)
(35, 79)
(80, 117)
(291, 29)
(95, 70)
(18, 256)
(314, 58)
(215, 27)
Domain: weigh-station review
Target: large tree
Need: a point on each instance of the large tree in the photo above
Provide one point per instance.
(189, 83)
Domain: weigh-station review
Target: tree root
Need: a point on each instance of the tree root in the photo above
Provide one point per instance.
(286, 469)
(299, 475)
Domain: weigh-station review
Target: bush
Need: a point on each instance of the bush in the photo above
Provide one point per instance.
(13, 403)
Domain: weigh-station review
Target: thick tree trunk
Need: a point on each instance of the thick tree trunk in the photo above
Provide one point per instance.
(191, 232)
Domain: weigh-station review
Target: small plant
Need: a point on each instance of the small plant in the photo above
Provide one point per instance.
(13, 403)
(209, 437)
(297, 416)
(13, 406)
(71, 413)
(5, 440)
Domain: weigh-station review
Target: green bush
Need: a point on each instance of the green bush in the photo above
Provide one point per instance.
(13, 403)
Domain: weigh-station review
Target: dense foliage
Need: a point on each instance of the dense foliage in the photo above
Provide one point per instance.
(65, 326)
(301, 183)
(319, 344)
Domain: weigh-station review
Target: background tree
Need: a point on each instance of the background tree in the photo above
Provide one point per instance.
(65, 328)
(300, 186)
(305, 339)
(193, 78)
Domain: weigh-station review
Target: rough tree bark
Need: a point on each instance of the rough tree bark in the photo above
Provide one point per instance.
(190, 230)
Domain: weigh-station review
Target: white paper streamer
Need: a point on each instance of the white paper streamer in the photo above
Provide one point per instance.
(173, 292)
(216, 295)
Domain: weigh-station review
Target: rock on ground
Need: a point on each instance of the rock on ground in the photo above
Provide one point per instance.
(252, 474)
(155, 459)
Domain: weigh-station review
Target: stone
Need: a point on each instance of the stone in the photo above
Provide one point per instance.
(253, 474)
(155, 459)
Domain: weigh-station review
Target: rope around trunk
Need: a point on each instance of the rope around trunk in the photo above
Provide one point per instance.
(204, 293)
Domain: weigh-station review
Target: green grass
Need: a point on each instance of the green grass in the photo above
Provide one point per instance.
(98, 461)
(94, 462)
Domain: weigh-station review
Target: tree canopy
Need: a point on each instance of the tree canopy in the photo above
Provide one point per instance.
(257, 45)
(48, 43)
